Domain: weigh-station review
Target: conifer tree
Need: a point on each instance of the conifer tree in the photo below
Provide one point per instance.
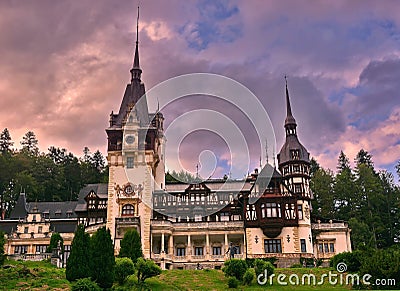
(131, 246)
(102, 258)
(5, 141)
(78, 264)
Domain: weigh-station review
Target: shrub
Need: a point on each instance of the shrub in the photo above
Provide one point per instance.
(146, 269)
(383, 264)
(123, 268)
(233, 282)
(260, 266)
(296, 266)
(235, 268)
(78, 261)
(55, 238)
(353, 260)
(85, 284)
(248, 277)
(131, 246)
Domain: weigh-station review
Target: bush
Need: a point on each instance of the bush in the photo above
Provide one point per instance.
(296, 266)
(146, 269)
(383, 264)
(260, 266)
(353, 260)
(248, 277)
(235, 268)
(85, 284)
(233, 282)
(55, 238)
(123, 268)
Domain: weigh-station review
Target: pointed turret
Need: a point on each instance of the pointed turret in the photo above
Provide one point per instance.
(292, 149)
(136, 71)
(290, 122)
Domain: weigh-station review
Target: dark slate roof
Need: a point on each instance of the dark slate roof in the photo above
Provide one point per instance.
(133, 96)
(64, 226)
(292, 143)
(7, 226)
(55, 210)
(21, 208)
(101, 191)
(213, 185)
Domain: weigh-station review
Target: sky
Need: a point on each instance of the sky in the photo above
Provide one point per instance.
(64, 66)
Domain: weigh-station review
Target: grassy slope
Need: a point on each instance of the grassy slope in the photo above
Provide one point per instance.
(32, 276)
(44, 276)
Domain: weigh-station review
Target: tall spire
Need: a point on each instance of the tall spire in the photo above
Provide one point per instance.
(290, 122)
(136, 71)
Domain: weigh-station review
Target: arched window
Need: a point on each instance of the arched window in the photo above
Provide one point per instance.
(128, 210)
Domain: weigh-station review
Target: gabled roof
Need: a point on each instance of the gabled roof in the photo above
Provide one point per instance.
(101, 190)
(55, 210)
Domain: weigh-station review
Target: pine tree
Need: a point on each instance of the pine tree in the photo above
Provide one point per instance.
(5, 141)
(78, 264)
(343, 162)
(131, 246)
(322, 184)
(363, 157)
(2, 242)
(102, 258)
(30, 143)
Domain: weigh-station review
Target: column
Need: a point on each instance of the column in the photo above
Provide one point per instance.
(171, 245)
(207, 250)
(226, 243)
(162, 243)
(189, 251)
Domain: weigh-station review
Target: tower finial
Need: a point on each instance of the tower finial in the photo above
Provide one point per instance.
(288, 107)
(136, 71)
(290, 122)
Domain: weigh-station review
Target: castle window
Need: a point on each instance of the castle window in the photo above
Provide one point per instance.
(92, 203)
(272, 246)
(20, 249)
(25, 229)
(34, 218)
(303, 245)
(180, 252)
(198, 218)
(41, 249)
(298, 188)
(300, 211)
(273, 210)
(296, 169)
(290, 211)
(128, 210)
(263, 210)
(224, 216)
(198, 251)
(40, 229)
(216, 251)
(129, 162)
(251, 212)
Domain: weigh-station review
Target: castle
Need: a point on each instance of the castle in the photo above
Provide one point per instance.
(182, 225)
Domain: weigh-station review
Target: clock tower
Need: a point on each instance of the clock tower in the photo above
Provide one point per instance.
(136, 162)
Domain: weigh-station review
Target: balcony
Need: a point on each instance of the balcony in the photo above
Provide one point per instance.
(133, 220)
(188, 226)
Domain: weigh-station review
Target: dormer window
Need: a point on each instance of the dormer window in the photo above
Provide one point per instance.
(295, 154)
(92, 203)
(58, 213)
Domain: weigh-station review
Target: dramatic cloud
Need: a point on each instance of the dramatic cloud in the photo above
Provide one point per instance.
(64, 66)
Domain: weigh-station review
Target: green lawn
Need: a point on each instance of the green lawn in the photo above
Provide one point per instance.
(44, 276)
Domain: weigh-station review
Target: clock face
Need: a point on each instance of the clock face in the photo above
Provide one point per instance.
(128, 189)
(129, 139)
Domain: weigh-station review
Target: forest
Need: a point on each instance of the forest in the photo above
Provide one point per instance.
(368, 199)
